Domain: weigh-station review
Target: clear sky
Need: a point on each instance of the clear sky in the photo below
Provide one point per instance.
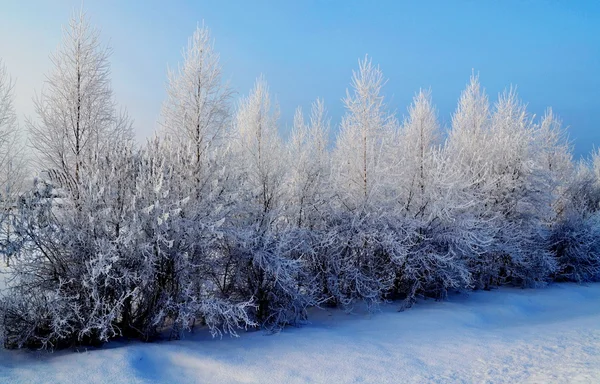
(308, 49)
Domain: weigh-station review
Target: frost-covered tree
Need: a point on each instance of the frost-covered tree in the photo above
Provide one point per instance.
(310, 167)
(576, 228)
(131, 261)
(259, 151)
(77, 117)
(553, 148)
(430, 208)
(197, 109)
(470, 125)
(468, 164)
(362, 241)
(358, 166)
(418, 142)
(512, 198)
(12, 162)
(554, 156)
(522, 194)
(11, 156)
(189, 167)
(262, 256)
(177, 254)
(68, 285)
(468, 142)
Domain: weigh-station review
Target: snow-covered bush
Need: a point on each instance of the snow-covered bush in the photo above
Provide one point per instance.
(271, 270)
(575, 242)
(575, 238)
(356, 258)
(67, 281)
(176, 255)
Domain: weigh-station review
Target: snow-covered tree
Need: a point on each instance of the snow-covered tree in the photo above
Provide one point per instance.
(553, 148)
(361, 241)
(470, 123)
(132, 260)
(258, 150)
(418, 142)
(197, 109)
(11, 156)
(431, 207)
(77, 117)
(177, 254)
(468, 166)
(576, 229)
(12, 162)
(357, 158)
(512, 198)
(262, 256)
(522, 194)
(310, 167)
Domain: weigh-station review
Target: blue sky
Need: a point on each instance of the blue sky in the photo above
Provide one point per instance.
(307, 49)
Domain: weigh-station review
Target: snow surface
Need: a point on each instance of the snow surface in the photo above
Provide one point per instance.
(509, 335)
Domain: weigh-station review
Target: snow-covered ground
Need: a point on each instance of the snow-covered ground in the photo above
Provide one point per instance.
(547, 335)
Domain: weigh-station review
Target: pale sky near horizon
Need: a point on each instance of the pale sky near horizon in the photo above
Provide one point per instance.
(307, 49)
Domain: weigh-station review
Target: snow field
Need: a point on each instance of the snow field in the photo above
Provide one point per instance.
(508, 335)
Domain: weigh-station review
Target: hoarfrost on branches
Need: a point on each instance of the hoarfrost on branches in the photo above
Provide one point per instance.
(217, 221)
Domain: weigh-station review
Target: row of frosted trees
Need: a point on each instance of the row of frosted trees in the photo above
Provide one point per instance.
(217, 222)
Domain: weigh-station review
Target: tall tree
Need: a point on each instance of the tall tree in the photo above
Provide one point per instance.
(262, 250)
(360, 143)
(362, 242)
(11, 159)
(309, 160)
(12, 162)
(418, 140)
(467, 139)
(468, 165)
(259, 150)
(197, 109)
(77, 117)
(519, 192)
